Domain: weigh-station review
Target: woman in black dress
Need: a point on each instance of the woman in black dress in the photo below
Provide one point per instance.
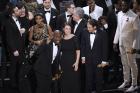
(70, 54)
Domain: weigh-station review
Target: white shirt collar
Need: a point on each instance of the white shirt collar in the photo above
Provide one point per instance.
(79, 21)
(14, 18)
(67, 13)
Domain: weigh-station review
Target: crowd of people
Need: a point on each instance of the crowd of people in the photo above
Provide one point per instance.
(69, 49)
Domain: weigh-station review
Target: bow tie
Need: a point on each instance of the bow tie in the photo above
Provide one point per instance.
(92, 32)
(69, 15)
(47, 11)
(117, 11)
(56, 44)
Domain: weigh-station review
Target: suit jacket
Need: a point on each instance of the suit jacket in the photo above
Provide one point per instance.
(82, 25)
(61, 20)
(112, 25)
(99, 51)
(98, 11)
(14, 39)
(44, 64)
(127, 29)
(53, 17)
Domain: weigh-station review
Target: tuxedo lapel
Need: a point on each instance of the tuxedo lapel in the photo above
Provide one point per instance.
(78, 27)
(15, 26)
(88, 40)
(51, 52)
(64, 17)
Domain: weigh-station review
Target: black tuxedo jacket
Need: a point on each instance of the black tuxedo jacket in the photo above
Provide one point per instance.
(99, 51)
(61, 20)
(112, 24)
(53, 18)
(80, 29)
(14, 39)
(44, 64)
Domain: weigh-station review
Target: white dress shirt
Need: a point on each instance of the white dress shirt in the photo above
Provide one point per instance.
(47, 15)
(67, 18)
(55, 50)
(92, 38)
(39, 1)
(75, 28)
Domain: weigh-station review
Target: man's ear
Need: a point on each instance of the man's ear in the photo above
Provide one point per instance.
(95, 27)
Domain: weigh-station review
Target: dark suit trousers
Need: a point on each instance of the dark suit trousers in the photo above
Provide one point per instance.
(24, 81)
(43, 83)
(94, 78)
(14, 69)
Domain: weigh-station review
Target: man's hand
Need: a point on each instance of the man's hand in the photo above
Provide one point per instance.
(83, 60)
(22, 30)
(16, 53)
(102, 65)
(131, 51)
(115, 48)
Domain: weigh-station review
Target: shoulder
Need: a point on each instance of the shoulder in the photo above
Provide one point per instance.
(132, 14)
(98, 8)
(61, 15)
(54, 10)
(120, 13)
(86, 7)
(85, 32)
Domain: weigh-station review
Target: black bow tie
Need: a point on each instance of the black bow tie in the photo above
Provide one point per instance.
(69, 15)
(117, 11)
(92, 32)
(47, 11)
(56, 44)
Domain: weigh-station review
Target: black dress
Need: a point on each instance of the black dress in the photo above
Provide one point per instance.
(70, 78)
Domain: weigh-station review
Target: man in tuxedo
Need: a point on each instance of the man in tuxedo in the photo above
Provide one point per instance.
(126, 35)
(66, 17)
(47, 64)
(15, 40)
(94, 52)
(80, 25)
(50, 14)
(92, 10)
(80, 22)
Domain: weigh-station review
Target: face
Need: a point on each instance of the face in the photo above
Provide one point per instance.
(16, 12)
(22, 11)
(125, 7)
(90, 27)
(75, 16)
(135, 4)
(71, 9)
(39, 19)
(138, 11)
(57, 37)
(103, 21)
(67, 30)
(47, 4)
(118, 5)
(91, 3)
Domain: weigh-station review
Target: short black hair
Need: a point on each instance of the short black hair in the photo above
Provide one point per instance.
(127, 1)
(138, 1)
(93, 22)
(11, 9)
